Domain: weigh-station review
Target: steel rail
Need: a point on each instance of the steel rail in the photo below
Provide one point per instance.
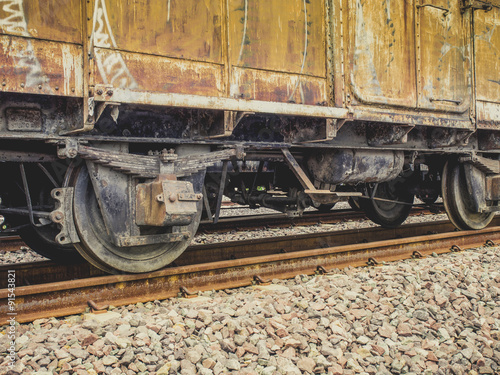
(308, 218)
(11, 243)
(72, 297)
(46, 271)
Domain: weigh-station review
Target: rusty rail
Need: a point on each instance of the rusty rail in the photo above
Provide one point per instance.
(71, 297)
(308, 218)
(11, 243)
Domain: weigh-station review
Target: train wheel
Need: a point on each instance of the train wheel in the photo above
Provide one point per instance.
(388, 214)
(42, 241)
(96, 245)
(457, 199)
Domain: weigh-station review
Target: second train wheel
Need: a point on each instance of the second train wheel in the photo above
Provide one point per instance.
(97, 247)
(42, 241)
(457, 199)
(390, 213)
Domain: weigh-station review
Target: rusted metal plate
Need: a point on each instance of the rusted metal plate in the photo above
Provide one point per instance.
(40, 67)
(487, 60)
(156, 73)
(42, 19)
(382, 51)
(395, 116)
(265, 38)
(279, 87)
(269, 35)
(188, 29)
(443, 56)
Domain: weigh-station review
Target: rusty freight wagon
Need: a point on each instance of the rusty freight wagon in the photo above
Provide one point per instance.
(122, 121)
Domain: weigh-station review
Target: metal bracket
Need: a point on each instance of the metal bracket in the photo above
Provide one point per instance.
(372, 262)
(257, 280)
(101, 106)
(477, 5)
(69, 150)
(222, 125)
(322, 196)
(63, 216)
(186, 293)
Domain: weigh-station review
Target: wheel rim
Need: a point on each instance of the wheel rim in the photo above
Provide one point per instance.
(457, 199)
(42, 241)
(388, 214)
(96, 245)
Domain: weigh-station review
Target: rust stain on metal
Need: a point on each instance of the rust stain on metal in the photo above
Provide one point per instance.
(382, 52)
(487, 60)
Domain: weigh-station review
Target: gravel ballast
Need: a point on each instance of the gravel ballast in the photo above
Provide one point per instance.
(438, 315)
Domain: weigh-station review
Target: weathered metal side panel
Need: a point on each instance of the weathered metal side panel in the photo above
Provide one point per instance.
(42, 19)
(187, 29)
(381, 56)
(443, 56)
(159, 46)
(278, 52)
(487, 61)
(41, 47)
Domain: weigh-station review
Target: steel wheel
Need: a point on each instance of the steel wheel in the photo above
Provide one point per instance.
(457, 199)
(96, 245)
(388, 214)
(42, 241)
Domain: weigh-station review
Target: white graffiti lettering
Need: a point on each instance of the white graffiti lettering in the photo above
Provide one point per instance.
(22, 52)
(110, 63)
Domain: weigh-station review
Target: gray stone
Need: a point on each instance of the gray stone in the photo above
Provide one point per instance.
(233, 364)
(421, 315)
(193, 355)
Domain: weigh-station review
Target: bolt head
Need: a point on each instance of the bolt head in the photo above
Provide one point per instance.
(172, 198)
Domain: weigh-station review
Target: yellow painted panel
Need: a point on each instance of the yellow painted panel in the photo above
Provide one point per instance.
(283, 36)
(382, 52)
(280, 87)
(445, 77)
(43, 19)
(487, 60)
(157, 73)
(188, 29)
(40, 67)
(487, 44)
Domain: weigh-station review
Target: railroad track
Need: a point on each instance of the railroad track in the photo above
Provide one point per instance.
(48, 290)
(13, 243)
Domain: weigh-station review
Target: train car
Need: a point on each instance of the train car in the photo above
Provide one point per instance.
(121, 121)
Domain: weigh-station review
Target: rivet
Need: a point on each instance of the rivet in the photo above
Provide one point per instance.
(39, 87)
(57, 88)
(72, 89)
(4, 83)
(22, 85)
(172, 198)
